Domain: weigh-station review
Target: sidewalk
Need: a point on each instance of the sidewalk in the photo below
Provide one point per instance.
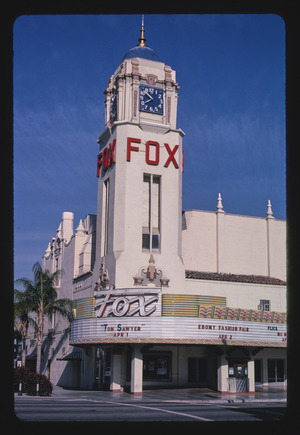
(197, 395)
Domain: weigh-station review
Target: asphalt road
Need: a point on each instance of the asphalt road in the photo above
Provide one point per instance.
(90, 409)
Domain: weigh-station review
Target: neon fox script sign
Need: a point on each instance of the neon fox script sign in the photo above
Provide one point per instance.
(116, 304)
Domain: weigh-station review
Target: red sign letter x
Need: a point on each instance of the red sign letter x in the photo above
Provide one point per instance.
(171, 157)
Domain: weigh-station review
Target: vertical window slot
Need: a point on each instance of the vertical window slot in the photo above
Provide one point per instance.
(151, 212)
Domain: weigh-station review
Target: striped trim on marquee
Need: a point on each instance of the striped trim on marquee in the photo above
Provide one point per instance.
(188, 305)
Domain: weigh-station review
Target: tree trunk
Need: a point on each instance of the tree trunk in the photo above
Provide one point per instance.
(24, 330)
(23, 355)
(38, 357)
(39, 339)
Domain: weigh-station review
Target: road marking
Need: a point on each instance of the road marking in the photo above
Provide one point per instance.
(281, 414)
(162, 410)
(196, 402)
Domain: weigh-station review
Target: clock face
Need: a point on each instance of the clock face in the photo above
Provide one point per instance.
(151, 99)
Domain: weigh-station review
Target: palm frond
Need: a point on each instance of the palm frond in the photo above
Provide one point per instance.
(61, 306)
(25, 282)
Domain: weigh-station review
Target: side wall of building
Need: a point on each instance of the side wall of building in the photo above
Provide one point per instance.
(74, 254)
(239, 294)
(227, 243)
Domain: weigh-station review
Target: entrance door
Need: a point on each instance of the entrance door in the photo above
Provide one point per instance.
(102, 368)
(197, 371)
(275, 370)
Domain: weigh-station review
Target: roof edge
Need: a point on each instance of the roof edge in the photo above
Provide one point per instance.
(232, 277)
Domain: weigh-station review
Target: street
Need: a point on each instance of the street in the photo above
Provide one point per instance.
(89, 407)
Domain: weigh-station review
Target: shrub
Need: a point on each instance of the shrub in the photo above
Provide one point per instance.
(29, 380)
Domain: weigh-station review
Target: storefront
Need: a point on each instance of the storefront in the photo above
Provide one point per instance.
(216, 348)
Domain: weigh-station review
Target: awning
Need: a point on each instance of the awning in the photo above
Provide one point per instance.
(72, 356)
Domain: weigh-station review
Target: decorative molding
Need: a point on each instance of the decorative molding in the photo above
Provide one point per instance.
(151, 79)
(150, 275)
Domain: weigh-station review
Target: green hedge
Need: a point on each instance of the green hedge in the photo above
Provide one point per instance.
(29, 380)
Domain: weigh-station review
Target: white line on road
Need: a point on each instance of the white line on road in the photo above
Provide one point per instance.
(144, 407)
(162, 410)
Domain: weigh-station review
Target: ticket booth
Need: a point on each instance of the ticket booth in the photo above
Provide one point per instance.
(238, 381)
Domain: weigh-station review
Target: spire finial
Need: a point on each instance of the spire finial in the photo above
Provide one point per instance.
(269, 211)
(220, 205)
(142, 39)
(80, 228)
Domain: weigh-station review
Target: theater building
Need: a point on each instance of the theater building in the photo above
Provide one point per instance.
(162, 298)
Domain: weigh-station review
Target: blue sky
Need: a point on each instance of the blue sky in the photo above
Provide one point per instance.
(231, 72)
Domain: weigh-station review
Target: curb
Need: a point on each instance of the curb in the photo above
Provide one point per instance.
(227, 401)
(196, 401)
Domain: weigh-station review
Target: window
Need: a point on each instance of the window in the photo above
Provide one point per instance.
(157, 366)
(264, 305)
(105, 216)
(151, 212)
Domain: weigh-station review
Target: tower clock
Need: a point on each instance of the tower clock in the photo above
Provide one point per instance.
(151, 99)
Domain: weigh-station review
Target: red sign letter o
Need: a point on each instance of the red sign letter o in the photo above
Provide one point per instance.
(148, 160)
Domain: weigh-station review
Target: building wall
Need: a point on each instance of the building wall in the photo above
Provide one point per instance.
(277, 241)
(55, 346)
(227, 243)
(199, 240)
(239, 294)
(72, 252)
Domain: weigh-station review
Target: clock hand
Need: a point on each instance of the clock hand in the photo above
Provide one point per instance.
(150, 98)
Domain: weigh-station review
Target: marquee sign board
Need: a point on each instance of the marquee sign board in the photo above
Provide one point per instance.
(177, 330)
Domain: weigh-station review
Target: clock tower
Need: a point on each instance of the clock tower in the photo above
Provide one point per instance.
(139, 167)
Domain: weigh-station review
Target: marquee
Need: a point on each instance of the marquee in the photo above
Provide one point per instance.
(177, 330)
(144, 316)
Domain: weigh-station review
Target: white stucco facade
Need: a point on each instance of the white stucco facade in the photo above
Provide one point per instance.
(162, 296)
(231, 243)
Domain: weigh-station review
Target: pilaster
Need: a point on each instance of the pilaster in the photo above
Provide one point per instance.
(136, 386)
(115, 377)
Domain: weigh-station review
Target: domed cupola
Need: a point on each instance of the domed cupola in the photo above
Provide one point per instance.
(141, 50)
(142, 90)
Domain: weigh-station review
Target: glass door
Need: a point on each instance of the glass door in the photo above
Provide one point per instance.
(275, 370)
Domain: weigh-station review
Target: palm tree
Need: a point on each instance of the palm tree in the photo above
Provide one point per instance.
(44, 302)
(22, 308)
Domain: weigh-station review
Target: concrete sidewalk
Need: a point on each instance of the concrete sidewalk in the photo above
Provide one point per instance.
(196, 395)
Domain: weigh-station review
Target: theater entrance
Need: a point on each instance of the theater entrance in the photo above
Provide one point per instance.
(198, 371)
